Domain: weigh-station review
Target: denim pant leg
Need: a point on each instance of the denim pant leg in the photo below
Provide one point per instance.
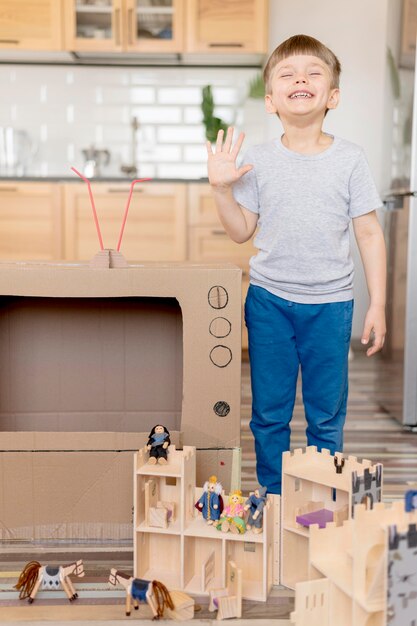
(323, 337)
(274, 369)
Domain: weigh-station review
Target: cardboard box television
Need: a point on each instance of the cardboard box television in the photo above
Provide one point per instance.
(90, 360)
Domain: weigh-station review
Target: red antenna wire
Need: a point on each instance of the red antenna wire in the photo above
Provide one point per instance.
(92, 206)
(122, 228)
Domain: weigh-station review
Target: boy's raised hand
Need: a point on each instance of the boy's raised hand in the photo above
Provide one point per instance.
(222, 170)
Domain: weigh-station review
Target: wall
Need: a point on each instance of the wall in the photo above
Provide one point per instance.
(356, 31)
(66, 109)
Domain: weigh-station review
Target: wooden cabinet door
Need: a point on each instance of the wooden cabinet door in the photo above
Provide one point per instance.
(156, 224)
(208, 241)
(154, 27)
(30, 221)
(94, 27)
(232, 26)
(31, 24)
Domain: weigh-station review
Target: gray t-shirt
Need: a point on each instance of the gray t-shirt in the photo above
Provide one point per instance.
(305, 204)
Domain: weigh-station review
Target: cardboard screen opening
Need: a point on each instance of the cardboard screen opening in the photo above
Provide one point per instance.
(90, 364)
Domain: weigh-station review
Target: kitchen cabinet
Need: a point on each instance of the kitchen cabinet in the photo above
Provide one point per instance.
(156, 227)
(208, 241)
(30, 221)
(227, 26)
(155, 26)
(93, 26)
(124, 25)
(31, 24)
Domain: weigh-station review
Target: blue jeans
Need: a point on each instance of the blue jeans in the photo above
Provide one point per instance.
(284, 336)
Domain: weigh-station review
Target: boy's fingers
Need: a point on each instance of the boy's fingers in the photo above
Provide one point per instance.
(367, 329)
(219, 141)
(377, 344)
(238, 145)
(209, 148)
(228, 140)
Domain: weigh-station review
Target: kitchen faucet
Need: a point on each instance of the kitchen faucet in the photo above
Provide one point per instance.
(132, 169)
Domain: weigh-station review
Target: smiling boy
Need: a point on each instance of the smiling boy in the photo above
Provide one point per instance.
(301, 191)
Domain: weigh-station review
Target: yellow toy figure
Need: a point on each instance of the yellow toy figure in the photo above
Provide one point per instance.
(211, 502)
(233, 514)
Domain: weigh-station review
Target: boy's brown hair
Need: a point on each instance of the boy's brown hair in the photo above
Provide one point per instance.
(302, 44)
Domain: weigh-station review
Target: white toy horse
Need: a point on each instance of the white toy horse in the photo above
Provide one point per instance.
(50, 577)
(153, 593)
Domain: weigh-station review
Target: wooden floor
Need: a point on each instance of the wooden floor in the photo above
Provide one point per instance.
(371, 432)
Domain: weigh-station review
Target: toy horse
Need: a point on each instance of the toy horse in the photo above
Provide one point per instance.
(153, 593)
(50, 577)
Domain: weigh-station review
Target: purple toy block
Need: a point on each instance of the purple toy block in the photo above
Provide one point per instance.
(320, 517)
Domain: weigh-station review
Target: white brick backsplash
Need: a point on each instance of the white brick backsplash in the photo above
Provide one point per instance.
(43, 93)
(194, 154)
(179, 95)
(182, 171)
(67, 109)
(43, 134)
(193, 115)
(142, 95)
(156, 115)
(181, 134)
(159, 154)
(225, 95)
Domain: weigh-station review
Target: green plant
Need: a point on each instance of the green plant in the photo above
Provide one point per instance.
(257, 87)
(213, 124)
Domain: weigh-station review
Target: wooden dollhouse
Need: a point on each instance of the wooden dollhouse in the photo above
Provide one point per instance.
(173, 543)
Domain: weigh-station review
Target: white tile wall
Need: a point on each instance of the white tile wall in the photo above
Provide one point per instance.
(66, 109)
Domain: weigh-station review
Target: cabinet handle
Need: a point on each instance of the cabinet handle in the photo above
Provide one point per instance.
(116, 190)
(117, 26)
(218, 232)
(10, 189)
(226, 45)
(130, 26)
(9, 41)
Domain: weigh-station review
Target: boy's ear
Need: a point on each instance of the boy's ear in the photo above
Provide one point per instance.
(269, 106)
(334, 98)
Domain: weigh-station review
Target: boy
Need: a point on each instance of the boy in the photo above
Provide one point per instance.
(301, 191)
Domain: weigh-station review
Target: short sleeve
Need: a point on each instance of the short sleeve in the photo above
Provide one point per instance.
(245, 190)
(363, 195)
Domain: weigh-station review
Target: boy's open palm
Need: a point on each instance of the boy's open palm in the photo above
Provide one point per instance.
(222, 170)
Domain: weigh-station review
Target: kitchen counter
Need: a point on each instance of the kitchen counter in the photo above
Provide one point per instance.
(100, 179)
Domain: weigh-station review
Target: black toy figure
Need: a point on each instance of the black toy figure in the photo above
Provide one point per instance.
(157, 445)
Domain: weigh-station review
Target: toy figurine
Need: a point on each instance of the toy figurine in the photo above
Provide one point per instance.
(232, 516)
(153, 593)
(157, 445)
(34, 575)
(255, 505)
(211, 502)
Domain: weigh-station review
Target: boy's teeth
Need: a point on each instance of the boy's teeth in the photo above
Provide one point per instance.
(301, 95)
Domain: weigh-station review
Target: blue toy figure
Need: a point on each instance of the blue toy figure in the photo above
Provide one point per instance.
(255, 505)
(157, 445)
(211, 502)
(410, 500)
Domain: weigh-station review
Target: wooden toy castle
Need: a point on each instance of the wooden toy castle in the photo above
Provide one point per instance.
(351, 558)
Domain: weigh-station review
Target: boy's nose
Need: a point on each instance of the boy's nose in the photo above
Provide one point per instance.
(301, 79)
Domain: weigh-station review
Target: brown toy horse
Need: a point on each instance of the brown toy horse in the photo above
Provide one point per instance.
(153, 593)
(34, 575)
